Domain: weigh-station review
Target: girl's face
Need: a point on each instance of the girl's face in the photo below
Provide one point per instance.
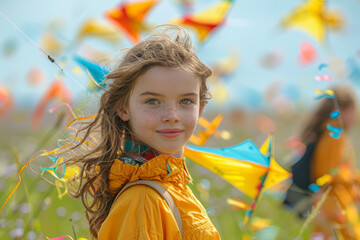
(164, 108)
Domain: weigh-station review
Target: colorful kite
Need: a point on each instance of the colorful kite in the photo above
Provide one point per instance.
(6, 102)
(334, 132)
(314, 19)
(129, 17)
(51, 43)
(98, 29)
(206, 21)
(95, 71)
(68, 174)
(328, 93)
(221, 71)
(245, 166)
(307, 54)
(210, 129)
(56, 90)
(226, 66)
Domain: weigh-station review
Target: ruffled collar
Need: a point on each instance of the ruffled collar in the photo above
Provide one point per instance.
(162, 168)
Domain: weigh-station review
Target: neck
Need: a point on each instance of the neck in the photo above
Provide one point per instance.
(178, 154)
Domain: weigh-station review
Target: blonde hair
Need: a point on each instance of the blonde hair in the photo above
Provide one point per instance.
(159, 49)
(314, 128)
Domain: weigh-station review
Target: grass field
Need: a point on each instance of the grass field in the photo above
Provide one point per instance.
(36, 212)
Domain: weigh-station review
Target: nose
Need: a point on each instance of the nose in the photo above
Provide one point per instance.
(170, 114)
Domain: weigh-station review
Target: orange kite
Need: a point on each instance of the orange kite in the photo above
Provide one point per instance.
(129, 17)
(56, 90)
(6, 101)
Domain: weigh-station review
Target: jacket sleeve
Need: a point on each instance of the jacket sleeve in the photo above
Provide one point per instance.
(337, 153)
(139, 213)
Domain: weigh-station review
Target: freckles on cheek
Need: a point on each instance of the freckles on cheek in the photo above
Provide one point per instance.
(147, 119)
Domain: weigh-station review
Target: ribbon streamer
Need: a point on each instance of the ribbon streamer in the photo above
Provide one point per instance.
(335, 114)
(335, 132)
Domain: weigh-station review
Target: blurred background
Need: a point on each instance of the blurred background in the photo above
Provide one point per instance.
(268, 57)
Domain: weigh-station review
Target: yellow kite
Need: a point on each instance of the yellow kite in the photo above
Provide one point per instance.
(243, 165)
(210, 129)
(314, 19)
(98, 29)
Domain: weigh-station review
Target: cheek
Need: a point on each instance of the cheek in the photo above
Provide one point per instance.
(142, 119)
(191, 119)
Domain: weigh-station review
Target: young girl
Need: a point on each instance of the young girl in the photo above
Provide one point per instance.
(338, 214)
(155, 97)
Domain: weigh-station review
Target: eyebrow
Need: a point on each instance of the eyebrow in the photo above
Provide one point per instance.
(159, 95)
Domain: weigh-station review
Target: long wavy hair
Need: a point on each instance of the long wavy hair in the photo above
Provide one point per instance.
(167, 46)
(314, 127)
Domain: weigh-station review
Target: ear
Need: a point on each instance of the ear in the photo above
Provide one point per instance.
(124, 114)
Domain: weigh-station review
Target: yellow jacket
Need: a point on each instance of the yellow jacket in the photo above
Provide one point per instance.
(339, 208)
(141, 213)
(333, 153)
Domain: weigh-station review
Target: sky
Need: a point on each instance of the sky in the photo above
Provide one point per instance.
(252, 30)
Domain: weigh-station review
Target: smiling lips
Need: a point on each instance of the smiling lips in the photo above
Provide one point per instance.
(170, 133)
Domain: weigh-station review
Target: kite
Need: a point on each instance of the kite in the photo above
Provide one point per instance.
(35, 76)
(98, 29)
(334, 132)
(245, 166)
(211, 128)
(129, 17)
(226, 66)
(307, 54)
(6, 102)
(322, 65)
(51, 43)
(314, 19)
(206, 21)
(56, 90)
(322, 78)
(68, 174)
(219, 90)
(222, 70)
(95, 71)
(328, 93)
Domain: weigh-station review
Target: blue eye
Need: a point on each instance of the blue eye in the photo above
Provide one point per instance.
(151, 101)
(186, 101)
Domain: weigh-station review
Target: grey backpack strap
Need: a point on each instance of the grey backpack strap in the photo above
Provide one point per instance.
(163, 193)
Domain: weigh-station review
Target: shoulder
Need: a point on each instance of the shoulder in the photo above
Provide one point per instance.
(139, 196)
(139, 212)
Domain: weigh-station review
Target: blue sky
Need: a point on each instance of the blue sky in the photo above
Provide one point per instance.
(252, 30)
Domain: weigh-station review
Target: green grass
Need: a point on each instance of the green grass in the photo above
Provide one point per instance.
(36, 209)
